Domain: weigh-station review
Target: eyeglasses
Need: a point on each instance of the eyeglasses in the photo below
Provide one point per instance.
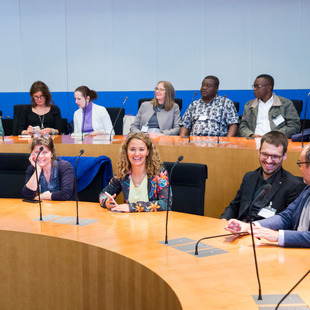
(159, 89)
(258, 86)
(38, 98)
(299, 163)
(273, 157)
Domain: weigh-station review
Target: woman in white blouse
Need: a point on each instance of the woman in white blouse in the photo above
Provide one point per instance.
(90, 118)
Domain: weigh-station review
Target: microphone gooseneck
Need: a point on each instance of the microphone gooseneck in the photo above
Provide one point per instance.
(189, 134)
(119, 112)
(84, 115)
(304, 122)
(76, 188)
(180, 158)
(262, 192)
(221, 118)
(289, 292)
(38, 186)
(218, 236)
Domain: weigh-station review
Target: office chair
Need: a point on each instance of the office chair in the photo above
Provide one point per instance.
(188, 187)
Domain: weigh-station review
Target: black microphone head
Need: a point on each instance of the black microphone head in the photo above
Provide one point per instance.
(180, 158)
(267, 188)
(81, 152)
(41, 148)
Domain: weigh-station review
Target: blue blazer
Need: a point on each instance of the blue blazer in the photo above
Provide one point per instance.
(288, 221)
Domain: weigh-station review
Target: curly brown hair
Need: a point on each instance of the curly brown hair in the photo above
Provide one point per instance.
(152, 162)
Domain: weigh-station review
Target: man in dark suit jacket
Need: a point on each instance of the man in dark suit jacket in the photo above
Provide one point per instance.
(285, 187)
(290, 228)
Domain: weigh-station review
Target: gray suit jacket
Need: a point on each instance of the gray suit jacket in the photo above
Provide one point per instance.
(169, 121)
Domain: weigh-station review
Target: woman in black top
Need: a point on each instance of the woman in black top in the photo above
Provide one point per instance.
(42, 116)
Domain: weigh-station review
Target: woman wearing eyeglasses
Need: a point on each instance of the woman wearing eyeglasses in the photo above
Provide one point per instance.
(42, 116)
(161, 116)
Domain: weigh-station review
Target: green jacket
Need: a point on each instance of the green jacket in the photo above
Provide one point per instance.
(280, 106)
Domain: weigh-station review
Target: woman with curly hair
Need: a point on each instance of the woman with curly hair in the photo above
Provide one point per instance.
(140, 175)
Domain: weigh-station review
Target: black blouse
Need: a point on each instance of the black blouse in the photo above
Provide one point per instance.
(52, 119)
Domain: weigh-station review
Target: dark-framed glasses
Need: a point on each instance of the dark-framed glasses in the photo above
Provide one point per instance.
(38, 97)
(258, 86)
(272, 156)
(299, 163)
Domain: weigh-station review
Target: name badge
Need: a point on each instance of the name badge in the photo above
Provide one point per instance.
(267, 212)
(144, 128)
(278, 120)
(202, 118)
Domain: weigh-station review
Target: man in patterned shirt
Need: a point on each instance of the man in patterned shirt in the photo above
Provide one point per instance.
(211, 115)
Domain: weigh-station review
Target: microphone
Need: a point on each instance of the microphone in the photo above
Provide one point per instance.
(277, 307)
(262, 192)
(76, 188)
(180, 158)
(84, 114)
(189, 134)
(221, 118)
(217, 236)
(117, 118)
(304, 122)
(38, 186)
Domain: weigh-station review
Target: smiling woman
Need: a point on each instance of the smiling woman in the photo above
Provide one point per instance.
(55, 176)
(140, 176)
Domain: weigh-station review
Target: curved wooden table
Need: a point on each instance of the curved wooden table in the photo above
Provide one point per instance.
(118, 262)
(227, 161)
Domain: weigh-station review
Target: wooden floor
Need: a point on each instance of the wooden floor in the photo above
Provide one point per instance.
(227, 161)
(118, 262)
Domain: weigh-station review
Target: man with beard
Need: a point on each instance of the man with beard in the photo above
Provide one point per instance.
(211, 115)
(290, 228)
(285, 187)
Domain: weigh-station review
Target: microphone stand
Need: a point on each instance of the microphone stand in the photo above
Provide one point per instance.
(221, 117)
(84, 115)
(189, 134)
(76, 188)
(38, 186)
(304, 122)
(289, 292)
(119, 112)
(243, 233)
(168, 203)
(260, 194)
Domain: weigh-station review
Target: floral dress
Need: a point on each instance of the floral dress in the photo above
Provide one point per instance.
(157, 191)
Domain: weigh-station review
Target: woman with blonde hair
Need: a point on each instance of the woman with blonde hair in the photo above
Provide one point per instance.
(141, 177)
(161, 115)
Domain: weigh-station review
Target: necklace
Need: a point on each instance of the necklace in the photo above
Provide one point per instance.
(138, 182)
(41, 117)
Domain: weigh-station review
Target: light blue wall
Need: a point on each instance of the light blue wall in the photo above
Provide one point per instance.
(122, 48)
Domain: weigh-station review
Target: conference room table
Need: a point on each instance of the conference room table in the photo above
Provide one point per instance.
(227, 161)
(120, 261)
